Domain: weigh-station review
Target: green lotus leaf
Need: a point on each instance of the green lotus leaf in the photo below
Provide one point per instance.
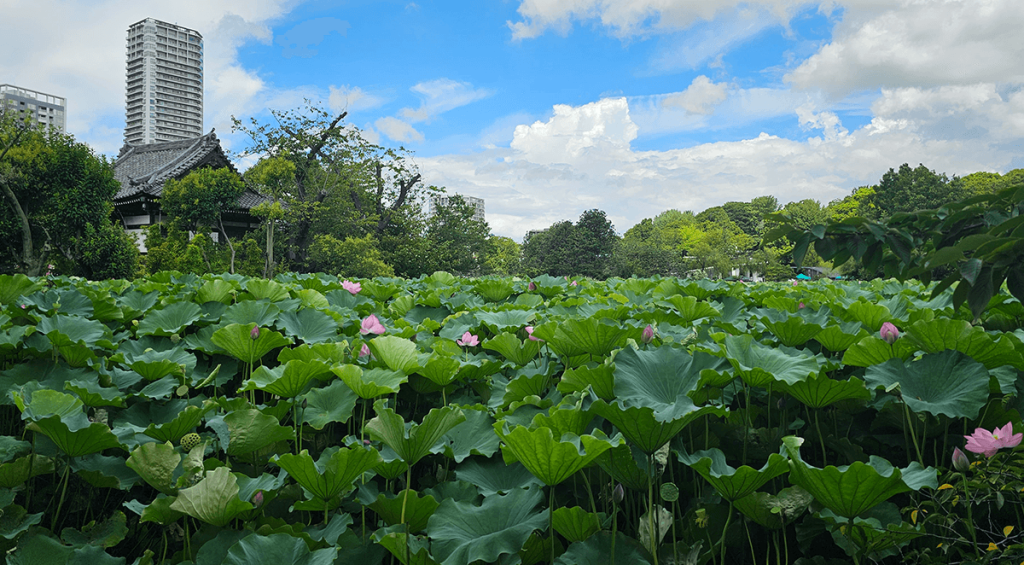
(65, 331)
(593, 336)
(642, 428)
(821, 391)
(252, 430)
(841, 336)
(264, 289)
(288, 380)
(942, 334)
(277, 549)
(216, 290)
(475, 436)
(332, 474)
(628, 465)
(45, 402)
(551, 460)
(853, 489)
(733, 484)
(775, 511)
(12, 338)
(13, 287)
(575, 524)
(793, 330)
(871, 350)
(597, 548)
(370, 383)
(331, 353)
(438, 369)
(15, 473)
(11, 447)
(259, 312)
(135, 303)
(660, 379)
(874, 534)
(333, 403)
(561, 344)
(493, 476)
(171, 319)
(393, 538)
(415, 441)
(107, 533)
(312, 299)
(563, 419)
(102, 471)
(598, 377)
(948, 383)
(689, 308)
(184, 422)
(760, 365)
(156, 463)
(16, 520)
(869, 314)
(381, 291)
(399, 354)
(59, 417)
(501, 320)
(213, 500)
(418, 509)
(462, 533)
(477, 367)
(237, 341)
(38, 374)
(104, 308)
(494, 290)
(154, 365)
(518, 352)
(65, 301)
(93, 394)
(311, 326)
(160, 512)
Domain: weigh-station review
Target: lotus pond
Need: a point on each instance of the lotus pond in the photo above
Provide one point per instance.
(308, 419)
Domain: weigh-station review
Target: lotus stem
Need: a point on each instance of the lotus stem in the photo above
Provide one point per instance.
(821, 439)
(913, 436)
(970, 514)
(615, 525)
(650, 508)
(405, 499)
(750, 542)
(63, 492)
(721, 542)
(551, 522)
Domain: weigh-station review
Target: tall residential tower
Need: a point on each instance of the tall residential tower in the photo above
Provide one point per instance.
(165, 83)
(46, 110)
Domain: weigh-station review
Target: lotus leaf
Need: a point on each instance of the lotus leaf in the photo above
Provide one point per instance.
(59, 417)
(733, 484)
(331, 353)
(288, 380)
(251, 430)
(871, 350)
(312, 299)
(841, 336)
(332, 474)
(370, 383)
(213, 500)
(660, 379)
(156, 463)
(575, 524)
(184, 422)
(598, 377)
(518, 352)
(259, 312)
(565, 418)
(462, 533)
(65, 331)
(871, 315)
(597, 548)
(948, 383)
(853, 489)
(154, 365)
(642, 428)
(793, 330)
(93, 394)
(103, 471)
(15, 473)
(418, 509)
(689, 308)
(628, 465)
(70, 302)
(775, 511)
(16, 520)
(760, 366)
(237, 340)
(551, 460)
(13, 287)
(593, 336)
(415, 442)
(277, 549)
(944, 333)
(263, 289)
(493, 476)
(438, 369)
(333, 403)
(821, 391)
(399, 354)
(499, 321)
(107, 533)
(171, 319)
(494, 290)
(475, 436)
(311, 326)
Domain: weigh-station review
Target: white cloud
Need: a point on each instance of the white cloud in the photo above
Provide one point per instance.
(913, 43)
(700, 97)
(352, 99)
(397, 130)
(707, 41)
(440, 96)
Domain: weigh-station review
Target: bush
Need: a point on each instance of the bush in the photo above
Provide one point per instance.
(356, 257)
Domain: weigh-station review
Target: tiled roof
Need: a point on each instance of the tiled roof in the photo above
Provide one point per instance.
(143, 169)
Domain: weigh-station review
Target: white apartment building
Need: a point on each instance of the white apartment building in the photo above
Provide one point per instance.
(45, 110)
(476, 203)
(164, 95)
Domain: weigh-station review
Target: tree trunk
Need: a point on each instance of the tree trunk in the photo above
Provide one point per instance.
(269, 269)
(231, 247)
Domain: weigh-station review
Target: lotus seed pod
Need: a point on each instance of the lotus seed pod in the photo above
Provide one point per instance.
(189, 441)
(669, 492)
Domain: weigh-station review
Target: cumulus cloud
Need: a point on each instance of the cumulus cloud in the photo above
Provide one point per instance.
(397, 130)
(909, 43)
(440, 96)
(700, 97)
(352, 99)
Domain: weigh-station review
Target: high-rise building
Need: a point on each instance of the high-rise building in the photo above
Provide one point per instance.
(164, 95)
(39, 108)
(477, 204)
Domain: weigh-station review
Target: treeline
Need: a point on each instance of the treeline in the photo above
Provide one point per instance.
(336, 203)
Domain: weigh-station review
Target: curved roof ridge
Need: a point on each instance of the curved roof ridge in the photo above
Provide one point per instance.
(187, 153)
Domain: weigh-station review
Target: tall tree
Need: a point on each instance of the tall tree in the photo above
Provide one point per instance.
(909, 190)
(199, 200)
(591, 243)
(457, 241)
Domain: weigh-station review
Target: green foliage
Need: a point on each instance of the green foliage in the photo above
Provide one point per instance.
(565, 249)
(355, 257)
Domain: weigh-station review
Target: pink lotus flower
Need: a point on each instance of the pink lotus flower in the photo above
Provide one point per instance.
(648, 334)
(257, 499)
(800, 306)
(988, 443)
(371, 325)
(960, 461)
(468, 340)
(573, 283)
(364, 350)
(529, 332)
(889, 333)
(531, 286)
(795, 283)
(255, 333)
(352, 287)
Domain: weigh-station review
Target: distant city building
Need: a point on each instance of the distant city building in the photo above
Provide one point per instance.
(164, 95)
(476, 203)
(39, 108)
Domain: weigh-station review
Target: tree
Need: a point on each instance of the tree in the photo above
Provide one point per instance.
(591, 244)
(199, 200)
(457, 241)
(57, 197)
(504, 256)
(547, 251)
(355, 257)
(910, 190)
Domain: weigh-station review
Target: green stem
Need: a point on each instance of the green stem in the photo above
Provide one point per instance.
(970, 515)
(405, 499)
(821, 440)
(615, 524)
(551, 521)
(913, 435)
(650, 509)
(750, 542)
(725, 529)
(63, 492)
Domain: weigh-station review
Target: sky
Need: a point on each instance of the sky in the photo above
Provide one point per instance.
(548, 108)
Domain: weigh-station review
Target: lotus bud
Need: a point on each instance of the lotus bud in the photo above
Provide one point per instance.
(364, 350)
(960, 461)
(573, 283)
(648, 334)
(618, 494)
(889, 333)
(795, 283)
(255, 333)
(305, 403)
(800, 306)
(366, 442)
(257, 499)
(531, 286)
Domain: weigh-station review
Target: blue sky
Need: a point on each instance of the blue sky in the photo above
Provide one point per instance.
(547, 108)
